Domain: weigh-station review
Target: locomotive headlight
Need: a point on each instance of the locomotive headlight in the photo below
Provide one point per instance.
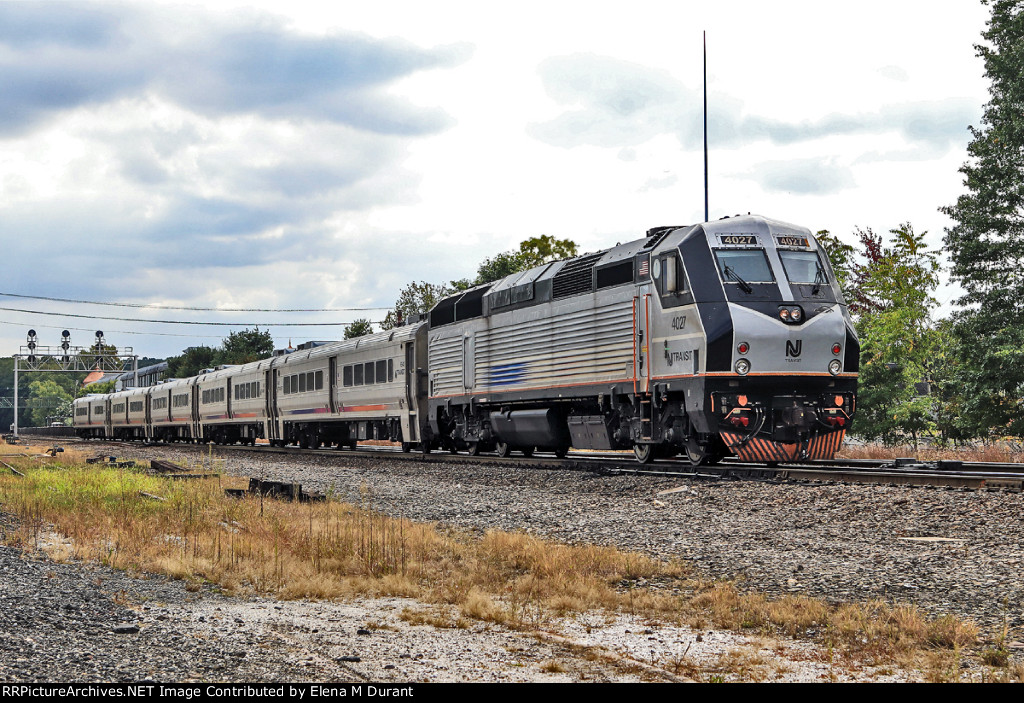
(835, 366)
(791, 314)
(742, 367)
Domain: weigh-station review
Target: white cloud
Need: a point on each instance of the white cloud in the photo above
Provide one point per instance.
(316, 155)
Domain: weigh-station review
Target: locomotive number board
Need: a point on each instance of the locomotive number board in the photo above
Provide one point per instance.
(792, 242)
(743, 240)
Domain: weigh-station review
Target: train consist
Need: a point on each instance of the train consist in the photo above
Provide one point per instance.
(721, 338)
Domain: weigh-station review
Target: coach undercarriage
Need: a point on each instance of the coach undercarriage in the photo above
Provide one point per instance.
(311, 435)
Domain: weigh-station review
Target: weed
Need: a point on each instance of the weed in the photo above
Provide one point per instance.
(552, 667)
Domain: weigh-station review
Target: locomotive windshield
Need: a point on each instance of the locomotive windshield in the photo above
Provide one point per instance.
(803, 266)
(744, 266)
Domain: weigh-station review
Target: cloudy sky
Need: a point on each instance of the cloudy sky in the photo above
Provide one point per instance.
(304, 155)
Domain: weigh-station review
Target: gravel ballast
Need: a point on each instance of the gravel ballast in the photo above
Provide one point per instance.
(948, 551)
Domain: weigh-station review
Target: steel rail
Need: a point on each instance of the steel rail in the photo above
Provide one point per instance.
(907, 472)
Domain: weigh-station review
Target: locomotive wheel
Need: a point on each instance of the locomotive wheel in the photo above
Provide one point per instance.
(528, 451)
(406, 447)
(502, 449)
(644, 453)
(560, 452)
(702, 456)
(474, 448)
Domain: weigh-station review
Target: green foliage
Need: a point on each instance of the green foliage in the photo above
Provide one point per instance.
(532, 252)
(421, 297)
(842, 257)
(986, 241)
(500, 265)
(415, 298)
(237, 348)
(545, 248)
(47, 401)
(104, 387)
(359, 328)
(895, 285)
(191, 362)
(245, 346)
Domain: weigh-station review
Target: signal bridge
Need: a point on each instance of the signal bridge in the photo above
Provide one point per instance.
(71, 359)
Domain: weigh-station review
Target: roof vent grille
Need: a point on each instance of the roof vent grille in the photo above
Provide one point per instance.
(575, 277)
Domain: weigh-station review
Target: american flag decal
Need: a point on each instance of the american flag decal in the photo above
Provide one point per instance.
(645, 268)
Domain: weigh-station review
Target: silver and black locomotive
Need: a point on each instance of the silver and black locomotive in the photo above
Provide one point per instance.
(722, 338)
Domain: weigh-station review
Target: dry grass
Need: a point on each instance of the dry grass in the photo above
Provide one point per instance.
(996, 452)
(334, 550)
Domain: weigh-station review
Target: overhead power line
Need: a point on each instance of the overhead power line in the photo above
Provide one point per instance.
(157, 306)
(90, 331)
(183, 322)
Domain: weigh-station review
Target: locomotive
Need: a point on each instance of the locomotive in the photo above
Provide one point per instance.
(709, 340)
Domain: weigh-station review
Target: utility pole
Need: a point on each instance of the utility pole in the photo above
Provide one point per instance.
(705, 126)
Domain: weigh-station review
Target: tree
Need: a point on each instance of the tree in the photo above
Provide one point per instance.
(545, 248)
(102, 387)
(359, 328)
(420, 298)
(245, 346)
(898, 342)
(48, 401)
(532, 252)
(500, 265)
(842, 257)
(986, 241)
(191, 362)
(415, 298)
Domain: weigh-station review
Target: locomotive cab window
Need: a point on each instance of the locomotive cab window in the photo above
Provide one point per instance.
(744, 266)
(807, 274)
(670, 280)
(803, 266)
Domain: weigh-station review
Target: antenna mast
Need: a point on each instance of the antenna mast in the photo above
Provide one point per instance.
(705, 126)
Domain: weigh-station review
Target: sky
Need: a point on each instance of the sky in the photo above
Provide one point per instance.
(245, 157)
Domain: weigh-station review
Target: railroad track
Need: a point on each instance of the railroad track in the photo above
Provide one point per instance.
(905, 471)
